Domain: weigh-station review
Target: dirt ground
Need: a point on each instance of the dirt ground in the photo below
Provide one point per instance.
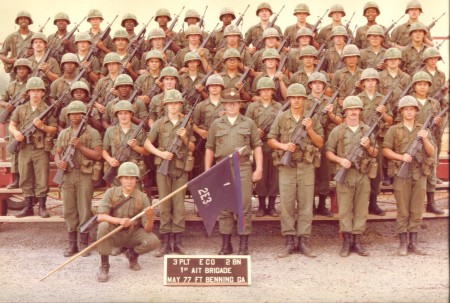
(28, 252)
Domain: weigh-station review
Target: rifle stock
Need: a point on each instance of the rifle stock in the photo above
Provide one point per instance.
(16, 101)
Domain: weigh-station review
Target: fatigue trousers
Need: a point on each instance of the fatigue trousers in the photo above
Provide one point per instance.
(353, 202)
(323, 175)
(77, 190)
(137, 238)
(268, 185)
(375, 183)
(226, 218)
(171, 211)
(34, 165)
(297, 197)
(409, 195)
(431, 179)
(15, 163)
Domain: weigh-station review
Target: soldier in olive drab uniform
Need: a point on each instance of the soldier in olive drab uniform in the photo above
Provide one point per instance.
(372, 55)
(412, 53)
(156, 42)
(157, 142)
(228, 133)
(145, 82)
(296, 181)
(162, 17)
(270, 39)
(190, 80)
(317, 84)
(263, 111)
(430, 58)
(301, 12)
(104, 88)
(16, 89)
(333, 59)
(353, 193)
(217, 39)
(371, 11)
(120, 133)
(336, 13)
(118, 205)
(307, 56)
(130, 66)
(271, 59)
(34, 162)
(17, 44)
(77, 186)
(191, 17)
(254, 33)
(371, 99)
(409, 192)
(83, 45)
(129, 22)
(61, 21)
(303, 38)
(95, 17)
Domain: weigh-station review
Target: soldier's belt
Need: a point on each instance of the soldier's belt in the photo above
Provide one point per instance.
(242, 159)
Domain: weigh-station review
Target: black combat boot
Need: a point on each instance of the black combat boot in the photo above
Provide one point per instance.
(165, 245)
(403, 248)
(72, 248)
(261, 212)
(132, 257)
(104, 269)
(42, 210)
(177, 246)
(321, 209)
(374, 209)
(27, 209)
(271, 211)
(243, 245)
(345, 250)
(412, 247)
(15, 182)
(303, 247)
(431, 207)
(84, 242)
(288, 248)
(358, 247)
(227, 248)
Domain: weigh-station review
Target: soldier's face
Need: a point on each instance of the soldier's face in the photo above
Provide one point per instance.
(124, 116)
(154, 64)
(158, 42)
(61, 24)
(304, 40)
(370, 84)
(23, 21)
(375, 40)
(215, 89)
(75, 118)
(193, 65)
(232, 108)
(113, 67)
(174, 107)
(129, 24)
(414, 13)
(192, 21)
(233, 39)
(39, 45)
(264, 14)
(266, 93)
(432, 62)
(336, 16)
(79, 94)
(351, 61)
(83, 45)
(270, 42)
(169, 82)
(301, 17)
(317, 86)
(296, 102)
(421, 87)
(271, 63)
(232, 63)
(308, 61)
(124, 90)
(393, 63)
(162, 20)
(69, 67)
(227, 18)
(22, 72)
(95, 22)
(352, 113)
(339, 40)
(194, 39)
(120, 43)
(36, 94)
(409, 112)
(128, 183)
(371, 14)
(417, 36)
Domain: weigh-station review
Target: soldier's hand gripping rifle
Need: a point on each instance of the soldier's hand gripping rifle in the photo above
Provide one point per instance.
(169, 42)
(322, 55)
(271, 24)
(265, 126)
(297, 136)
(237, 23)
(322, 116)
(175, 143)
(134, 48)
(203, 45)
(15, 101)
(28, 51)
(369, 120)
(103, 35)
(59, 49)
(124, 152)
(48, 53)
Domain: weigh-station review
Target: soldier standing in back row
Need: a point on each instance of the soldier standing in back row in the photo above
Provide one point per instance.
(61, 21)
(95, 17)
(216, 41)
(371, 11)
(336, 14)
(301, 12)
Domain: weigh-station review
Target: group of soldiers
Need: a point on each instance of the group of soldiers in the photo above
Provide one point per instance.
(300, 106)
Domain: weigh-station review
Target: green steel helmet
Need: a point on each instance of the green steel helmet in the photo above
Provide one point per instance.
(39, 35)
(232, 29)
(431, 52)
(227, 11)
(231, 95)
(215, 79)
(23, 62)
(371, 4)
(369, 73)
(191, 56)
(352, 102)
(83, 36)
(270, 53)
(61, 16)
(70, 57)
(270, 32)
(338, 31)
(25, 14)
(265, 82)
(169, 71)
(111, 58)
(350, 50)
(336, 8)
(128, 169)
(76, 107)
(35, 83)
(156, 33)
(129, 16)
(418, 26)
(413, 4)
(79, 85)
(263, 5)
(191, 13)
(392, 53)
(121, 33)
(308, 50)
(317, 76)
(162, 12)
(231, 53)
(123, 105)
(296, 90)
(421, 76)
(172, 96)
(375, 30)
(408, 101)
(193, 30)
(123, 79)
(304, 31)
(94, 13)
(301, 8)
(154, 54)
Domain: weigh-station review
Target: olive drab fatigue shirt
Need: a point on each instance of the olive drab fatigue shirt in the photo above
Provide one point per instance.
(206, 112)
